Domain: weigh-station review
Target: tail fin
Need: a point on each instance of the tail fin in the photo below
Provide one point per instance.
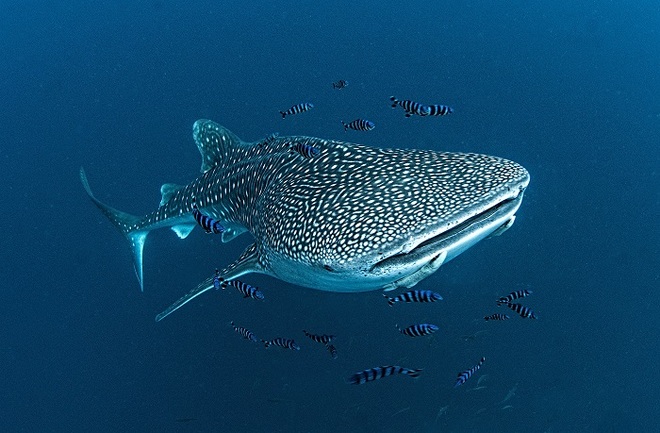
(283, 114)
(345, 126)
(126, 224)
(395, 101)
(414, 372)
(390, 301)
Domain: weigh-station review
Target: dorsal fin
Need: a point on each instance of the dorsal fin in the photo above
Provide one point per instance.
(214, 142)
(167, 191)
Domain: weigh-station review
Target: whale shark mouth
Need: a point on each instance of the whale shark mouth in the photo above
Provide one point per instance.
(493, 220)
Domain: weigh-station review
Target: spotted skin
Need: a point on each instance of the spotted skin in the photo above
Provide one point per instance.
(326, 222)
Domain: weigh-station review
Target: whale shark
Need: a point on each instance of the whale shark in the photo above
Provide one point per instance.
(349, 218)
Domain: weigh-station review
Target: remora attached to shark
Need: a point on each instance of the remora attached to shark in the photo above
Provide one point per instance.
(354, 218)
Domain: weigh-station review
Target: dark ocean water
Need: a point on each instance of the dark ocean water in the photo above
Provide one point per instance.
(571, 91)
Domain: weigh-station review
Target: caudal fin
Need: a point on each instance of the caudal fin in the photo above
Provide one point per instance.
(126, 223)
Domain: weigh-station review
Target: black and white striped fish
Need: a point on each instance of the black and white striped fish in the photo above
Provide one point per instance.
(497, 316)
(339, 84)
(439, 110)
(281, 342)
(246, 333)
(465, 375)
(522, 310)
(323, 339)
(297, 109)
(379, 372)
(246, 290)
(332, 349)
(269, 139)
(414, 296)
(306, 150)
(206, 222)
(359, 125)
(418, 330)
(411, 107)
(518, 294)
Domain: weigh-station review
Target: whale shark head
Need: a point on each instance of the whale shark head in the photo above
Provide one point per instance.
(359, 218)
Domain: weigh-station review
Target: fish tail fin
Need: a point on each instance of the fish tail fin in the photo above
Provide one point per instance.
(390, 301)
(345, 126)
(394, 101)
(126, 224)
(266, 343)
(283, 114)
(415, 373)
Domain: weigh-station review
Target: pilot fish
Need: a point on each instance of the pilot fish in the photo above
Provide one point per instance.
(371, 374)
(354, 218)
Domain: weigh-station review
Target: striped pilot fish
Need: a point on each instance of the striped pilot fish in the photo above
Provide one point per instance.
(496, 316)
(297, 109)
(518, 294)
(522, 310)
(282, 342)
(323, 339)
(269, 139)
(418, 330)
(414, 296)
(305, 150)
(375, 373)
(465, 375)
(209, 224)
(411, 107)
(359, 125)
(246, 290)
(246, 333)
(340, 84)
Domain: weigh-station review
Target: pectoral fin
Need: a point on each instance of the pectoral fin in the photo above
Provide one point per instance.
(247, 263)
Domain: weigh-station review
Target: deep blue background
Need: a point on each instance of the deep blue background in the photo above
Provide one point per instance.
(569, 90)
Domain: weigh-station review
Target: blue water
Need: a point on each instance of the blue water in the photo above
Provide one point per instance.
(568, 89)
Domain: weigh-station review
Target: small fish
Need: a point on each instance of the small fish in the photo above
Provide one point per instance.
(439, 110)
(246, 333)
(375, 373)
(518, 294)
(306, 150)
(269, 139)
(296, 109)
(323, 339)
(218, 281)
(247, 290)
(206, 222)
(332, 349)
(522, 310)
(359, 125)
(418, 330)
(465, 375)
(282, 342)
(414, 296)
(411, 107)
(340, 84)
(497, 316)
